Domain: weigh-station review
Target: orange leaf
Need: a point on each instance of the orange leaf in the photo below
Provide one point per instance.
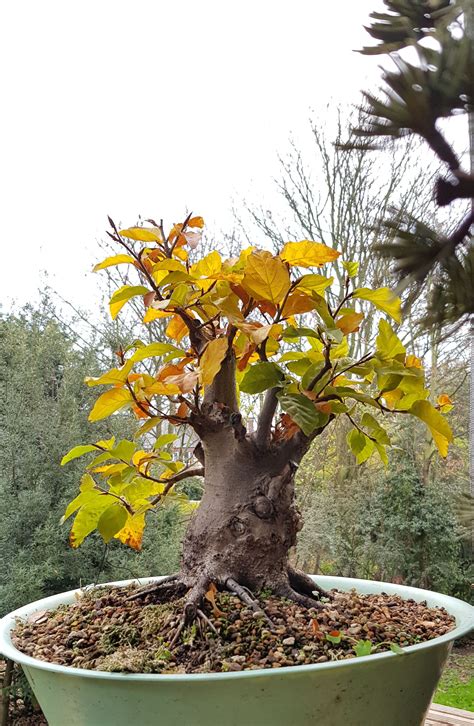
(297, 303)
(176, 329)
(350, 322)
(132, 533)
(196, 222)
(182, 411)
(444, 400)
(324, 407)
(211, 597)
(286, 428)
(413, 362)
(141, 411)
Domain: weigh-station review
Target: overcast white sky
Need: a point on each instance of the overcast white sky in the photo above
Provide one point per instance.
(152, 107)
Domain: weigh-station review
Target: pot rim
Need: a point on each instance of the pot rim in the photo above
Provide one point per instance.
(462, 611)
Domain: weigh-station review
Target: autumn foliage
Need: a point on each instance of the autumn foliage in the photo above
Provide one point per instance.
(286, 321)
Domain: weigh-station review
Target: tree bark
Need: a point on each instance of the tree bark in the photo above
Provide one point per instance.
(247, 520)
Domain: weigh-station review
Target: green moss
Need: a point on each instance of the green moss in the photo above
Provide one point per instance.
(153, 618)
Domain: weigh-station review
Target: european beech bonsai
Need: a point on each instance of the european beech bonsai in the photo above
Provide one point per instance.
(264, 325)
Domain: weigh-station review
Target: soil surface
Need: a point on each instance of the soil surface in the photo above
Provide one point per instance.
(104, 631)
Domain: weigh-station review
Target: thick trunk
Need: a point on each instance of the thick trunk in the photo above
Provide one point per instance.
(247, 520)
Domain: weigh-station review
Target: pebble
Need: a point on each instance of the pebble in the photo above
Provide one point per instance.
(97, 628)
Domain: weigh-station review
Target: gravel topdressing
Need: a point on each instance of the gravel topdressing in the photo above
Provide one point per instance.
(103, 631)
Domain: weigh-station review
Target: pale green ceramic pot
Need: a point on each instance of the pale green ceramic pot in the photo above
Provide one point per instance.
(377, 690)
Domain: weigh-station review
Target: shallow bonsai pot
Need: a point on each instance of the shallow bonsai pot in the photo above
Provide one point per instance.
(388, 689)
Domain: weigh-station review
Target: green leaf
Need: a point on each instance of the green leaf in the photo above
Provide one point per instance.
(124, 450)
(395, 648)
(88, 516)
(111, 521)
(303, 412)
(164, 440)
(388, 345)
(352, 268)
(363, 647)
(147, 426)
(299, 367)
(261, 376)
(86, 489)
(378, 432)
(310, 373)
(291, 332)
(322, 309)
(123, 295)
(76, 452)
(335, 335)
(360, 445)
(332, 638)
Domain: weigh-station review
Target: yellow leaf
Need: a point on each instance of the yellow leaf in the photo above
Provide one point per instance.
(112, 377)
(413, 362)
(154, 314)
(315, 283)
(109, 402)
(392, 398)
(111, 261)
(181, 253)
(211, 264)
(266, 277)
(383, 298)
(123, 295)
(161, 389)
(350, 322)
(308, 254)
(439, 427)
(211, 360)
(176, 329)
(445, 403)
(142, 234)
(132, 533)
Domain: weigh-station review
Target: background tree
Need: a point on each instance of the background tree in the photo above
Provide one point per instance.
(416, 97)
(43, 410)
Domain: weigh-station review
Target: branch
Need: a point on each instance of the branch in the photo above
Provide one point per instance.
(326, 367)
(265, 419)
(223, 387)
(185, 474)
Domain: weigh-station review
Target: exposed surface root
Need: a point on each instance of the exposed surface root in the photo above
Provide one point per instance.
(304, 584)
(177, 632)
(194, 599)
(167, 587)
(244, 595)
(284, 590)
(206, 620)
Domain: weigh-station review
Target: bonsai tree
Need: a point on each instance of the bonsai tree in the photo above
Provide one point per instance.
(263, 325)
